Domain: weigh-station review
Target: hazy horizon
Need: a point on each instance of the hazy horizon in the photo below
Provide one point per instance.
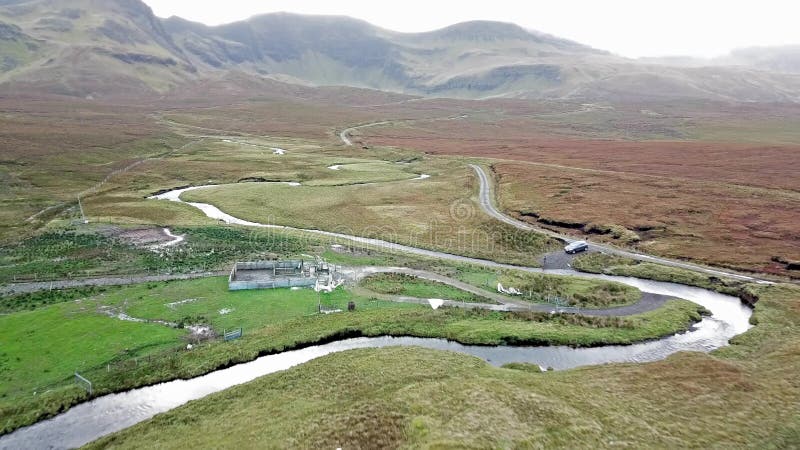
(628, 28)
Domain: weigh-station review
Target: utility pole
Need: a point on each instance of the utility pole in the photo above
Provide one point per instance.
(83, 216)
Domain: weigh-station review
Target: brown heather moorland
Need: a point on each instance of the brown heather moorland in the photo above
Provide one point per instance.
(733, 226)
(733, 204)
(726, 200)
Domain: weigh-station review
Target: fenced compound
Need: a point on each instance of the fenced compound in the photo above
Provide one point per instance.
(84, 383)
(276, 274)
(271, 284)
(232, 334)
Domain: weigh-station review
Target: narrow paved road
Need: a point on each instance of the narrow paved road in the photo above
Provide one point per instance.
(345, 134)
(487, 203)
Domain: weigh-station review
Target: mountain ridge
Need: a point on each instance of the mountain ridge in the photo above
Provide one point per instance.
(104, 48)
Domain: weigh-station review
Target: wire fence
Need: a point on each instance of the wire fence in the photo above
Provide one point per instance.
(128, 368)
(153, 275)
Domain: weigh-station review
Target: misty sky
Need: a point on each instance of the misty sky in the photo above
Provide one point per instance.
(627, 27)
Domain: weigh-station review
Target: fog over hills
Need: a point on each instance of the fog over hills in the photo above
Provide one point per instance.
(110, 47)
(777, 59)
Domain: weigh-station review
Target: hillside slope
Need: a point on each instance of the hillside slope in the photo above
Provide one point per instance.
(94, 47)
(88, 47)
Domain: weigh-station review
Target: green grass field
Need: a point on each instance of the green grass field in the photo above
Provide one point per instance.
(407, 285)
(437, 213)
(208, 301)
(41, 349)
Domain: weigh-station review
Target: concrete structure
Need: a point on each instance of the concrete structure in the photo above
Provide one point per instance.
(277, 274)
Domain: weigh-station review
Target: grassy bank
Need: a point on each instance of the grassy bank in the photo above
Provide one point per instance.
(117, 355)
(622, 266)
(534, 287)
(741, 396)
(583, 293)
(407, 285)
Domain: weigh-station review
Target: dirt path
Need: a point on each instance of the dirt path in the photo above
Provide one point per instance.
(174, 240)
(487, 204)
(345, 134)
(35, 286)
(423, 301)
(486, 201)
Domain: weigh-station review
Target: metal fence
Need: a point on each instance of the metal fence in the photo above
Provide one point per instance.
(232, 334)
(84, 383)
(271, 284)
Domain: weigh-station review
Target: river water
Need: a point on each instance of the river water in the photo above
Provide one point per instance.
(104, 415)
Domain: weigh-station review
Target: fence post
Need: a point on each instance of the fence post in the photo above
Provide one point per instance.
(85, 381)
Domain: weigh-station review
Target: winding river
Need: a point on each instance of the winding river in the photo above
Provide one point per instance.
(104, 415)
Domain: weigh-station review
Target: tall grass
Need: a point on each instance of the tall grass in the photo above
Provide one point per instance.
(621, 266)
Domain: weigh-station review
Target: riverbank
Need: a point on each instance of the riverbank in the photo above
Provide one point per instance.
(275, 332)
(412, 397)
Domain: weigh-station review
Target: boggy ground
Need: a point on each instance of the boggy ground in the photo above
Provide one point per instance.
(711, 193)
(715, 157)
(741, 227)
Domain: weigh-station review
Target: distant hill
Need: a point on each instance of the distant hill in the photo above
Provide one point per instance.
(785, 59)
(86, 47)
(779, 59)
(118, 47)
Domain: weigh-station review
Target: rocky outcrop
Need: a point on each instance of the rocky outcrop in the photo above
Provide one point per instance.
(134, 58)
(496, 78)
